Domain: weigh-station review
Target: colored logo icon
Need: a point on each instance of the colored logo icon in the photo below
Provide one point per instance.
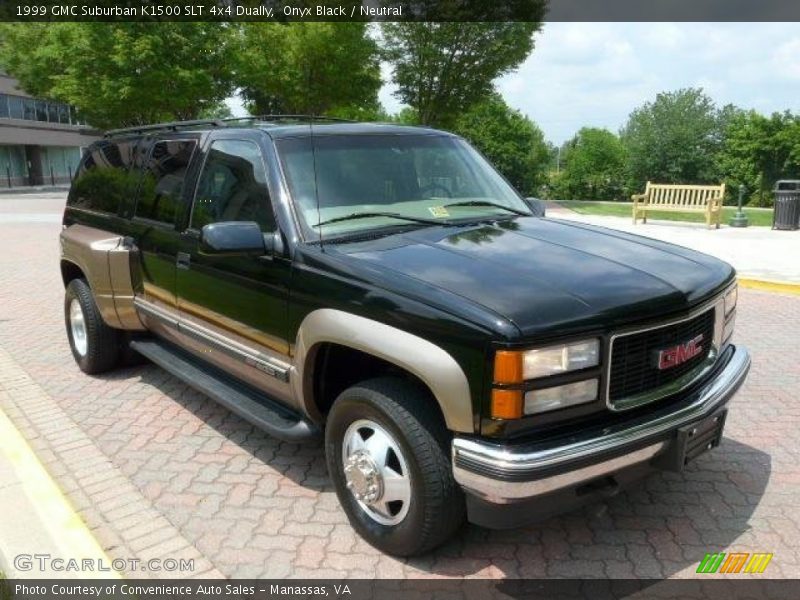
(734, 562)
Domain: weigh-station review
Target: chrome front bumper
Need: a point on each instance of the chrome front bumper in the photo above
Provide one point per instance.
(505, 473)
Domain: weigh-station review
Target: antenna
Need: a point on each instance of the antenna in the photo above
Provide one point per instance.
(316, 181)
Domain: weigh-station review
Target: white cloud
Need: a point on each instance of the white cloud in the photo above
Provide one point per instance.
(786, 58)
(597, 73)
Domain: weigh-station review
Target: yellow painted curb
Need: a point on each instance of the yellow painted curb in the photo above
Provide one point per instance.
(63, 524)
(770, 286)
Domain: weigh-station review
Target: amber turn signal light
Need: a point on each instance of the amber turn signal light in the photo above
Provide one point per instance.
(506, 404)
(507, 367)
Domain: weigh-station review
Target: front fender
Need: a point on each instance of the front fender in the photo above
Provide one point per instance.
(427, 361)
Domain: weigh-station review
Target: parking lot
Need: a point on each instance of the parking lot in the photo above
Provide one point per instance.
(154, 467)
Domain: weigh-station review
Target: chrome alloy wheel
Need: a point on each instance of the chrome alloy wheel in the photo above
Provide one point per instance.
(376, 472)
(77, 325)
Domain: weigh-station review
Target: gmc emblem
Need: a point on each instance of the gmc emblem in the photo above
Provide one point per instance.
(676, 355)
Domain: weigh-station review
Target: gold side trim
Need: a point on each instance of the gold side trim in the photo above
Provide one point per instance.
(248, 356)
(235, 327)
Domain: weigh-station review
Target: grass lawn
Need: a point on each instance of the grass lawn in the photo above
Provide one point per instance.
(757, 216)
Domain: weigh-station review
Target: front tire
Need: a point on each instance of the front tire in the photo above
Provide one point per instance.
(95, 345)
(388, 455)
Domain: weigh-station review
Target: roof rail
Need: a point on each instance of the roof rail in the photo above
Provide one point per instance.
(296, 118)
(173, 126)
(178, 125)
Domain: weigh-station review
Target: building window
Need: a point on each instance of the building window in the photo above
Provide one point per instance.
(52, 112)
(15, 107)
(29, 108)
(12, 164)
(41, 110)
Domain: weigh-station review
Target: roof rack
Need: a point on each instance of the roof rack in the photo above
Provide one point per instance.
(173, 126)
(179, 125)
(296, 118)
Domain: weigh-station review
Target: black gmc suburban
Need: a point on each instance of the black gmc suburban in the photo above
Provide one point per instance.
(464, 356)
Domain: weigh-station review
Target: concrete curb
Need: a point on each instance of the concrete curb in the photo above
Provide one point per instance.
(765, 285)
(34, 189)
(36, 517)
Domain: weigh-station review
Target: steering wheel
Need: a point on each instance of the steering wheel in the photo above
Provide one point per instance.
(434, 186)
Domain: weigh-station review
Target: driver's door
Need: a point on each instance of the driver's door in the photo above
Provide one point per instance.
(233, 307)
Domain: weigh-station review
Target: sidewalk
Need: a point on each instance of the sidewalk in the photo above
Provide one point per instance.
(756, 252)
(37, 520)
(38, 442)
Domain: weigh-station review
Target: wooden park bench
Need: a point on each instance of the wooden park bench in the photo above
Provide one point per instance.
(680, 198)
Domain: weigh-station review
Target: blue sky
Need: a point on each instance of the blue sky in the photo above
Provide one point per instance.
(597, 73)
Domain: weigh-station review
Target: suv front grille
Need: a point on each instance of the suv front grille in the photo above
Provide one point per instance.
(634, 371)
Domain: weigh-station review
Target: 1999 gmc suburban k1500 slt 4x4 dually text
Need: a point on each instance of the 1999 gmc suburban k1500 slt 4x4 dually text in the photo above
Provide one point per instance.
(464, 356)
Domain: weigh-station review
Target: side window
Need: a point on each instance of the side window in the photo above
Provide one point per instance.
(233, 186)
(163, 174)
(104, 178)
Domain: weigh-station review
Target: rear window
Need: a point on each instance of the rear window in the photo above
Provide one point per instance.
(104, 178)
(163, 178)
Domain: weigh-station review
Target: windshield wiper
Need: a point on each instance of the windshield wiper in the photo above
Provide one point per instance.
(488, 203)
(364, 215)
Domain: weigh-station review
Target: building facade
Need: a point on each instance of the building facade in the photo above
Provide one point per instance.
(41, 141)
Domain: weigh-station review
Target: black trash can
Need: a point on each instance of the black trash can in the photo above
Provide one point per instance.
(787, 204)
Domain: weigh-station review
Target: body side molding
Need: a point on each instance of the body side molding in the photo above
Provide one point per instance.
(430, 363)
(248, 356)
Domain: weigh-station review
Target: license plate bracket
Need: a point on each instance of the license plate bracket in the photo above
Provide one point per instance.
(693, 440)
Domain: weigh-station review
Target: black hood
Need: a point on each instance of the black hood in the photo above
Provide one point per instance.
(546, 275)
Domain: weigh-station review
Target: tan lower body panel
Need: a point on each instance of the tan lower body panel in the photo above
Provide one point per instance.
(106, 262)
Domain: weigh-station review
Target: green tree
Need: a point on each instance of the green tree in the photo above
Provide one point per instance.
(594, 167)
(673, 139)
(119, 74)
(309, 68)
(509, 139)
(759, 150)
(442, 69)
(406, 116)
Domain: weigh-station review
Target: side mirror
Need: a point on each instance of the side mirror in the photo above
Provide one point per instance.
(536, 205)
(233, 237)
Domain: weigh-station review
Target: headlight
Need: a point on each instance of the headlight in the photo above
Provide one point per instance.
(560, 359)
(730, 300)
(561, 396)
(514, 367)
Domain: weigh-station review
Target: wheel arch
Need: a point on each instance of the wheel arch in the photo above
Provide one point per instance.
(71, 270)
(426, 362)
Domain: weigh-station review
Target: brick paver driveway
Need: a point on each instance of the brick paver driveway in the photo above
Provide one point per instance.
(156, 467)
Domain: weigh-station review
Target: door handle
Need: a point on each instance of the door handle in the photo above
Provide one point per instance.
(183, 260)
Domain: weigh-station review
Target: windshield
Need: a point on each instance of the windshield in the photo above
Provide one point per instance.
(363, 180)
